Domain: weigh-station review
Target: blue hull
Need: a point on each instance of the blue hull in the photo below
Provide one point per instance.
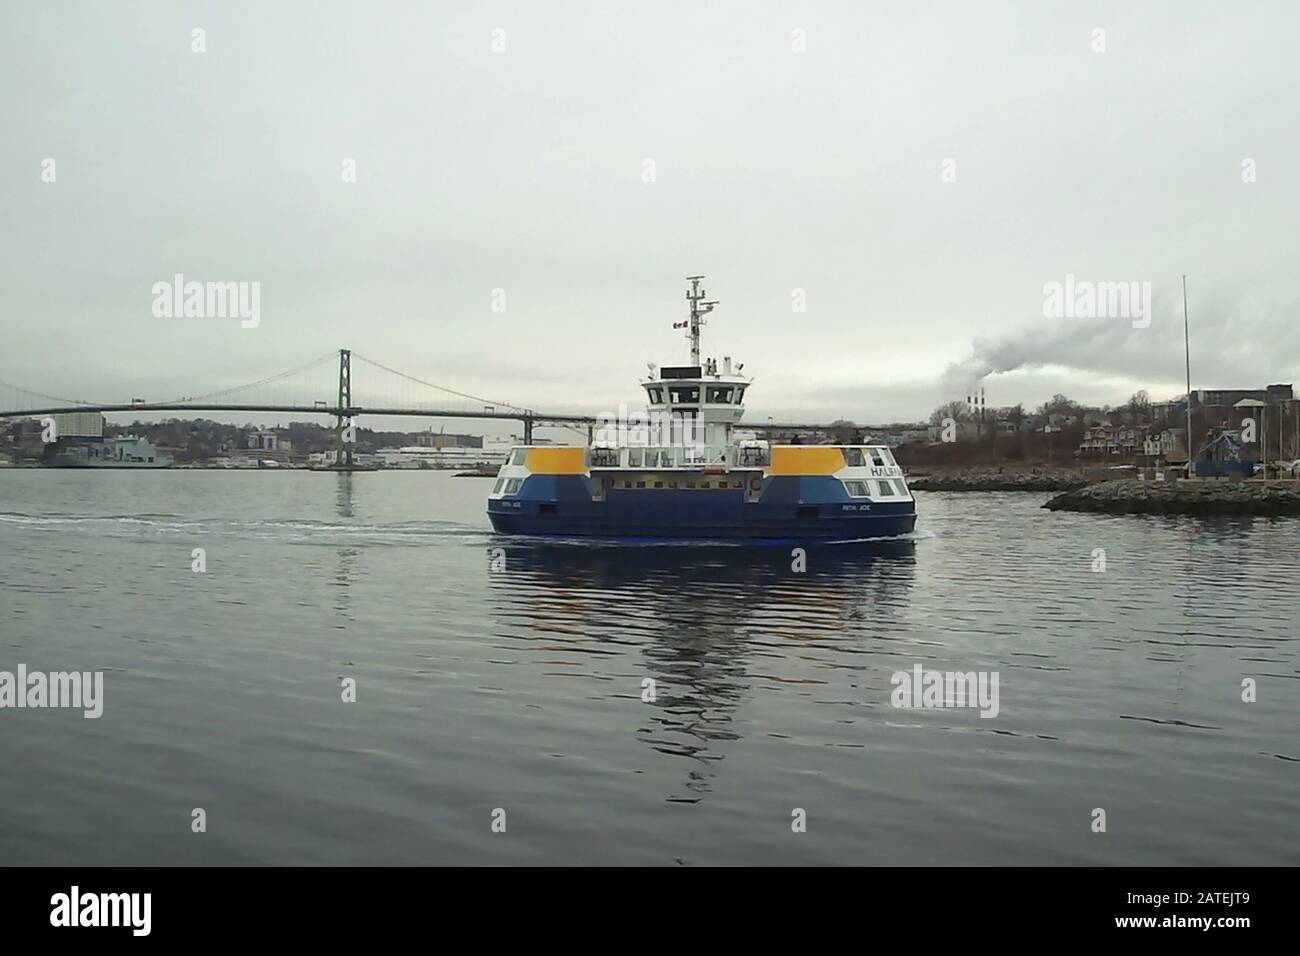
(789, 509)
(851, 530)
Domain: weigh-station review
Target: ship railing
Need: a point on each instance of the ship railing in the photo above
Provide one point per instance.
(661, 456)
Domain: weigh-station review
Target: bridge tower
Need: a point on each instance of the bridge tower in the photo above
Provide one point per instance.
(342, 448)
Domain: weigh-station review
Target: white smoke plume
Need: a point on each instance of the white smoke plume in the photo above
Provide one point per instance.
(1242, 344)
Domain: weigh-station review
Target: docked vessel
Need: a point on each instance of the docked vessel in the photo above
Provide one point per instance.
(129, 451)
(687, 471)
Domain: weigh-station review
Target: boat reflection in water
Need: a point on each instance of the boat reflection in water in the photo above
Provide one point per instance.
(715, 626)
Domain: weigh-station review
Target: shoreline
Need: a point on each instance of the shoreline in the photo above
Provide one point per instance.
(982, 479)
(1186, 497)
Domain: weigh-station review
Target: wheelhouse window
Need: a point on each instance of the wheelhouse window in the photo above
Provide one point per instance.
(718, 394)
(656, 396)
(889, 457)
(740, 394)
(684, 394)
(857, 489)
(853, 457)
(876, 458)
(518, 457)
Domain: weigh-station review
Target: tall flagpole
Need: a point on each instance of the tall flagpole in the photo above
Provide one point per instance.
(1187, 354)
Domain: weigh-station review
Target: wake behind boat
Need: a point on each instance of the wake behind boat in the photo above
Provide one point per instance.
(687, 471)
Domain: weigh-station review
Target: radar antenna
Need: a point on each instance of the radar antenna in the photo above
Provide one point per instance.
(699, 308)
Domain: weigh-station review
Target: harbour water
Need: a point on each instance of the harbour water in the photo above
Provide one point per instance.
(496, 674)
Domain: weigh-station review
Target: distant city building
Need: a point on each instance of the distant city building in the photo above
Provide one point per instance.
(491, 453)
(268, 441)
(1162, 412)
(445, 440)
(1271, 395)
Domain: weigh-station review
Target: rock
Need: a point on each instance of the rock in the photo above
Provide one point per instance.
(1184, 498)
(998, 481)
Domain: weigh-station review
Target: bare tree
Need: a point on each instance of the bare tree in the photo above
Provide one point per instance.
(956, 410)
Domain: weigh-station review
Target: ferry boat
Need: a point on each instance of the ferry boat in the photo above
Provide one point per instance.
(687, 471)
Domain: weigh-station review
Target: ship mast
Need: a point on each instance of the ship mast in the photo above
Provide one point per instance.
(699, 308)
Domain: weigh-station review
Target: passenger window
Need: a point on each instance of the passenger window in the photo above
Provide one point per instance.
(902, 488)
(499, 485)
(634, 457)
(512, 486)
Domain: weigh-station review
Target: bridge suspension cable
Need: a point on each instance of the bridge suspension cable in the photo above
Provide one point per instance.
(440, 388)
(309, 386)
(52, 398)
(328, 356)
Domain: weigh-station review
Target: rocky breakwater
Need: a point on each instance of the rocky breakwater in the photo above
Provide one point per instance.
(997, 481)
(1183, 498)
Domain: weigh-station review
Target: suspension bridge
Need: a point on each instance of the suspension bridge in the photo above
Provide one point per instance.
(327, 386)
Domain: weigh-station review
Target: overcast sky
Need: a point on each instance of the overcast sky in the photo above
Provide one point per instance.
(774, 170)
